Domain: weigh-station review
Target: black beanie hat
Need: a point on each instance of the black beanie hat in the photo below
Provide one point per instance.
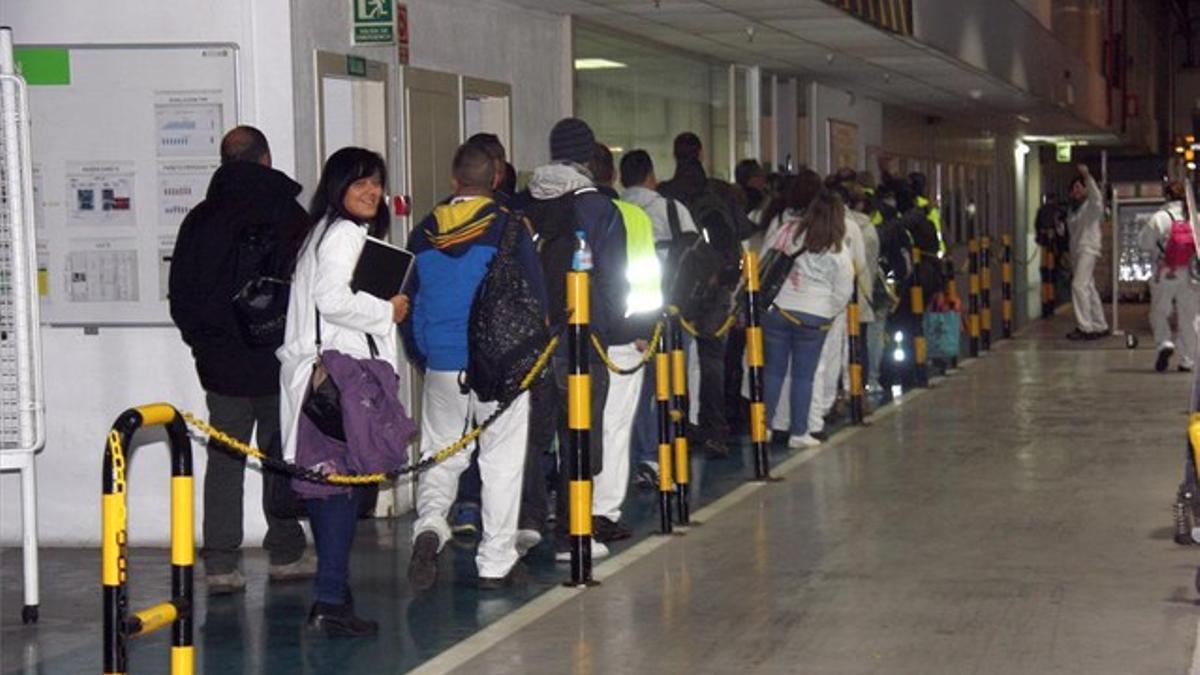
(572, 140)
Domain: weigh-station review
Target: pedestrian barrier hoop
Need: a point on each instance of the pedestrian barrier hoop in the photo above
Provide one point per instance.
(119, 625)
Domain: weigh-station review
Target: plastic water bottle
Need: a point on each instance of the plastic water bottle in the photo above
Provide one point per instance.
(582, 260)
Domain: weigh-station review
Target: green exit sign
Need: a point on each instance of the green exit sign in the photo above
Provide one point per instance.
(374, 22)
(1062, 152)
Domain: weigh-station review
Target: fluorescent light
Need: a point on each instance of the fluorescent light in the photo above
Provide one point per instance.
(597, 64)
(1023, 118)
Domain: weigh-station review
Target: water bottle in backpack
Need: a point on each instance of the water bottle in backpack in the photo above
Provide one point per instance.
(581, 261)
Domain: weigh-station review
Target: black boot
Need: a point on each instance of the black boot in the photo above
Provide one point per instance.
(339, 621)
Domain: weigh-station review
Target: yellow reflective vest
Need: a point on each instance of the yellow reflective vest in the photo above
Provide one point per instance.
(642, 270)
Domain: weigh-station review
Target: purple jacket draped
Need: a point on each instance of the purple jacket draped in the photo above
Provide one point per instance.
(378, 429)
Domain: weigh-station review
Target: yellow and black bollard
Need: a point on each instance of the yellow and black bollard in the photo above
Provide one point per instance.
(579, 425)
(119, 626)
(754, 364)
(662, 396)
(854, 330)
(1006, 288)
(985, 294)
(917, 300)
(973, 296)
(680, 403)
(1047, 271)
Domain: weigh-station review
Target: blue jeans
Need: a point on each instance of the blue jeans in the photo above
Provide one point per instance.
(333, 521)
(784, 340)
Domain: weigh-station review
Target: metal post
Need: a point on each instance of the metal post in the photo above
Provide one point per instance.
(754, 364)
(917, 300)
(854, 330)
(662, 386)
(1006, 288)
(579, 424)
(985, 294)
(681, 404)
(973, 296)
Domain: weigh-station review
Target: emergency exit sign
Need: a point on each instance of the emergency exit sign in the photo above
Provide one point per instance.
(1062, 152)
(374, 22)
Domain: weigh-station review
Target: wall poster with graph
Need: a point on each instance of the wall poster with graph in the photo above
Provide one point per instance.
(125, 139)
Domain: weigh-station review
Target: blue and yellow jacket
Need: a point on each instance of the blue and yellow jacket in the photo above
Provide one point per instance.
(453, 247)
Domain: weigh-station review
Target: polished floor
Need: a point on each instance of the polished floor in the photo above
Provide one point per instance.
(1014, 519)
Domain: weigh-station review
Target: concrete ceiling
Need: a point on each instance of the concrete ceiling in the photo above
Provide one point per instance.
(812, 39)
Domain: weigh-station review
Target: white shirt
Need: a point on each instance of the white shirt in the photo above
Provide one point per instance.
(655, 205)
(820, 283)
(868, 242)
(322, 281)
(1153, 236)
(1083, 224)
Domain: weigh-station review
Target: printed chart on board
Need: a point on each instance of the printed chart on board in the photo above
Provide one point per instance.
(126, 140)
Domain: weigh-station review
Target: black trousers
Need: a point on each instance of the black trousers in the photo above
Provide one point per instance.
(223, 484)
(546, 421)
(712, 423)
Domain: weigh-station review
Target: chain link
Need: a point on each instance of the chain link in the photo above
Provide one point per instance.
(202, 428)
(645, 358)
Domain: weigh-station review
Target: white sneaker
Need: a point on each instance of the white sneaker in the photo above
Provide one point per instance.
(805, 441)
(527, 540)
(598, 551)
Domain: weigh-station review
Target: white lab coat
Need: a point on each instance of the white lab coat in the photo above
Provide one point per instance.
(1083, 225)
(322, 281)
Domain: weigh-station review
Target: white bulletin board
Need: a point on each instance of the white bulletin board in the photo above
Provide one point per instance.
(124, 144)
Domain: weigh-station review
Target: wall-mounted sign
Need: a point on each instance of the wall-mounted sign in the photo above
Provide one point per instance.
(1062, 152)
(374, 22)
(843, 146)
(893, 15)
(402, 32)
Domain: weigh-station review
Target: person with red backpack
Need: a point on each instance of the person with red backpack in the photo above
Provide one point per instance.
(1168, 234)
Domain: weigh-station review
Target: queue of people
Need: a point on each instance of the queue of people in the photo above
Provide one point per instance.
(309, 365)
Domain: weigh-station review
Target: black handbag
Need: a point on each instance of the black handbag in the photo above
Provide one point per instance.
(282, 500)
(323, 402)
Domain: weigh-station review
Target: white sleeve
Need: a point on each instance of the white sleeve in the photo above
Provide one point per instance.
(1153, 232)
(686, 224)
(843, 285)
(1094, 206)
(336, 257)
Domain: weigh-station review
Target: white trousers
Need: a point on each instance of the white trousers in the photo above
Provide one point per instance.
(610, 485)
(1185, 297)
(835, 359)
(1089, 311)
(446, 413)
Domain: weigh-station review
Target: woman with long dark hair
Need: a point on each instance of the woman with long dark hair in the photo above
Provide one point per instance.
(816, 291)
(325, 314)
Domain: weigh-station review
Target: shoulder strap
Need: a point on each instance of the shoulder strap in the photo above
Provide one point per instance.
(673, 218)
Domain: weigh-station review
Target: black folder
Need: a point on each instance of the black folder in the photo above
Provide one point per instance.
(382, 269)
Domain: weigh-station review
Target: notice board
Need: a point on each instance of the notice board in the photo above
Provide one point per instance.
(125, 139)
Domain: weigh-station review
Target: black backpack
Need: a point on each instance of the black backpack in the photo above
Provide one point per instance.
(507, 329)
(261, 299)
(694, 268)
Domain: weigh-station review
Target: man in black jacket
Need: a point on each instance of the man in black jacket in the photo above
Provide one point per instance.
(248, 222)
(715, 207)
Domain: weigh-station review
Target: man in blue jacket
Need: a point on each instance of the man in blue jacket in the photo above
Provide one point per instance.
(454, 246)
(562, 199)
